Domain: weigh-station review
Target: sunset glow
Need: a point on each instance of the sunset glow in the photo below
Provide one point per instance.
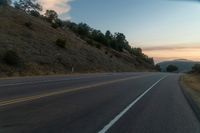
(160, 54)
(62, 7)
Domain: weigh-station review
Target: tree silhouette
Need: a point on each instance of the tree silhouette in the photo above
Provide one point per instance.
(51, 15)
(83, 29)
(172, 68)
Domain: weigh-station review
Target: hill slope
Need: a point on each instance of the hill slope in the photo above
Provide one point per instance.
(183, 65)
(34, 40)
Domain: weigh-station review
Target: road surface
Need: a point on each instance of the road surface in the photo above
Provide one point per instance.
(96, 103)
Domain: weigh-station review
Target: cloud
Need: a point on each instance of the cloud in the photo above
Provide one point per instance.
(163, 48)
(162, 53)
(62, 7)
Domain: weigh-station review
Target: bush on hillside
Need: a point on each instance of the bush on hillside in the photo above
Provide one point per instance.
(172, 68)
(98, 46)
(196, 68)
(28, 25)
(51, 16)
(54, 25)
(34, 13)
(61, 43)
(12, 58)
(90, 42)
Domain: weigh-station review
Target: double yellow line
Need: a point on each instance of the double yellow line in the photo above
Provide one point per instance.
(31, 98)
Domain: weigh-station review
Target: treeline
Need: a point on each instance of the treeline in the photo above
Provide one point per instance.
(116, 41)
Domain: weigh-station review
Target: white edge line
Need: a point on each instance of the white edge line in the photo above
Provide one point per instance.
(112, 122)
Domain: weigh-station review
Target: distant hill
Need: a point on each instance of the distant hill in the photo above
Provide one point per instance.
(183, 65)
(39, 47)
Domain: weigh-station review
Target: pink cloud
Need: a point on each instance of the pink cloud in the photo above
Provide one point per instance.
(60, 6)
(170, 53)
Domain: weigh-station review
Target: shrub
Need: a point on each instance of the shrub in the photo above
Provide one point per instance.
(98, 46)
(172, 68)
(28, 25)
(54, 25)
(90, 42)
(61, 43)
(59, 22)
(196, 68)
(34, 13)
(51, 15)
(12, 58)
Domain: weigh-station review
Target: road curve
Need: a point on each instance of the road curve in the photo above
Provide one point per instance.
(109, 102)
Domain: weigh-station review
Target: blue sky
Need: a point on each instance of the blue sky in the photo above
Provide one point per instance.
(145, 22)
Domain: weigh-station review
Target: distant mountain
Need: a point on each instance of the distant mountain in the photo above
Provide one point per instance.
(183, 65)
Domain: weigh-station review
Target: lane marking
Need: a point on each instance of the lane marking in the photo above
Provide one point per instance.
(112, 122)
(31, 98)
(46, 81)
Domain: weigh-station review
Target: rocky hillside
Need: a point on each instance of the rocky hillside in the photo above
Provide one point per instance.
(31, 46)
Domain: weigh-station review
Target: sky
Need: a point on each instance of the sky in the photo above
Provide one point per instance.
(164, 29)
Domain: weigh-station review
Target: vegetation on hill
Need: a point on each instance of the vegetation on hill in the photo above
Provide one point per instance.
(44, 44)
(183, 65)
(116, 41)
(172, 68)
(196, 68)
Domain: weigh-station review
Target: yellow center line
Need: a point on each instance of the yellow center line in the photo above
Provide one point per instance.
(31, 98)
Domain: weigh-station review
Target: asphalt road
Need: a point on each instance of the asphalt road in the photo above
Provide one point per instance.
(92, 103)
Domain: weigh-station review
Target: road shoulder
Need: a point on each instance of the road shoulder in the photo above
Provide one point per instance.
(190, 85)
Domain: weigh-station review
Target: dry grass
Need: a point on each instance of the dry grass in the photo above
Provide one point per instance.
(192, 82)
(36, 45)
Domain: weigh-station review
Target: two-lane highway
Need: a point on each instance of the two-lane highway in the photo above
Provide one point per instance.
(110, 102)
